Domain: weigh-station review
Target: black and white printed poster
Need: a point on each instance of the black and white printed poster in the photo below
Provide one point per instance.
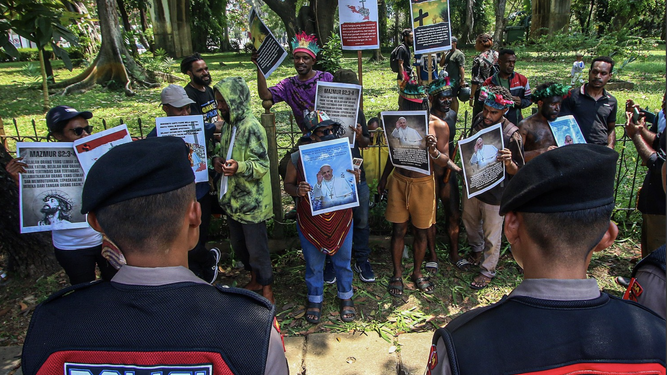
(405, 132)
(479, 155)
(51, 187)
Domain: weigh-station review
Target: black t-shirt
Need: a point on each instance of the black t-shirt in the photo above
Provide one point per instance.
(204, 103)
(404, 55)
(651, 199)
(591, 115)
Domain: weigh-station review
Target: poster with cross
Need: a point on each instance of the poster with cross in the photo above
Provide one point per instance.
(430, 26)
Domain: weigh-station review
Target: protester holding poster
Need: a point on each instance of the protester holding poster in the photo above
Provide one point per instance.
(247, 202)
(77, 250)
(298, 91)
(325, 234)
(411, 198)
(177, 105)
(535, 129)
(480, 213)
(358, 24)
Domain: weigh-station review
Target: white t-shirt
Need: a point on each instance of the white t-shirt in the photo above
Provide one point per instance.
(74, 239)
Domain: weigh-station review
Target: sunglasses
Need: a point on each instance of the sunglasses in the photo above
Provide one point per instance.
(325, 131)
(78, 131)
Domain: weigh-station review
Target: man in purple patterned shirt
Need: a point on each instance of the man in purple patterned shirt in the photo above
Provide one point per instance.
(297, 91)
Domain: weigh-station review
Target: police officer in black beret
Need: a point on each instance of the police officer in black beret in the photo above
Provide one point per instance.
(557, 213)
(155, 315)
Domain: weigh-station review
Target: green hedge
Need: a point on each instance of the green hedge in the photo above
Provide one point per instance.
(31, 54)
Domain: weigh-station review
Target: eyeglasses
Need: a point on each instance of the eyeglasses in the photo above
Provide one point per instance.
(324, 131)
(78, 131)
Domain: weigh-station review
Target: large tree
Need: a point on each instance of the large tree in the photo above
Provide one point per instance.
(316, 18)
(499, 9)
(114, 66)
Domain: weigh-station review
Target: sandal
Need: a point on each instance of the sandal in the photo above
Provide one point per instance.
(464, 265)
(347, 308)
(313, 309)
(476, 258)
(424, 284)
(431, 268)
(396, 289)
(480, 282)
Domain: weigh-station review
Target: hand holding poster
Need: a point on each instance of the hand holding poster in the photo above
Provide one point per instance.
(326, 165)
(191, 130)
(481, 169)
(358, 24)
(431, 26)
(341, 102)
(566, 131)
(92, 147)
(50, 189)
(405, 132)
(270, 54)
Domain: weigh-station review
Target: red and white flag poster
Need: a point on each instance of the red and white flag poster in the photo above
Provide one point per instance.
(359, 24)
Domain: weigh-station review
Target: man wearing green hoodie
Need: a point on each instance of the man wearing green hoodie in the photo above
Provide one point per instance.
(247, 201)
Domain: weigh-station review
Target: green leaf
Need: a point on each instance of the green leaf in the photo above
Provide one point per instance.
(63, 56)
(7, 46)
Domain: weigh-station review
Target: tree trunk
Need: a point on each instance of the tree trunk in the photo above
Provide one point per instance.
(87, 27)
(144, 27)
(324, 12)
(286, 10)
(28, 255)
(127, 27)
(549, 17)
(500, 23)
(113, 67)
(171, 26)
(468, 36)
(45, 83)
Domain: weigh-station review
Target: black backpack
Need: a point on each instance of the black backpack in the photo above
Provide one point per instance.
(393, 60)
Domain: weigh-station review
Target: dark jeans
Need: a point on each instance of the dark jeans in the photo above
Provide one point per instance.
(251, 245)
(361, 231)
(199, 258)
(79, 264)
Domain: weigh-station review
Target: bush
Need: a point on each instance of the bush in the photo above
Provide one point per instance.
(331, 54)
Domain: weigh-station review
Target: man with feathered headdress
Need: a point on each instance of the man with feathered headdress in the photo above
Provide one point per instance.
(535, 130)
(297, 91)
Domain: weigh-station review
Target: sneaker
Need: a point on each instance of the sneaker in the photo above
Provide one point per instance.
(329, 273)
(216, 254)
(365, 271)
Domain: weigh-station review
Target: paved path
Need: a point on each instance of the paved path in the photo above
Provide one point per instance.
(325, 353)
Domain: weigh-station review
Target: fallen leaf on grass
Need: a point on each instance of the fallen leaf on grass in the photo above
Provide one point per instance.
(24, 307)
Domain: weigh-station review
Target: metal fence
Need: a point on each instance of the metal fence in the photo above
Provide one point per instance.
(628, 180)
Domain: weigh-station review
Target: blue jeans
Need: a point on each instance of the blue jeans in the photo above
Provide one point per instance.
(362, 229)
(315, 268)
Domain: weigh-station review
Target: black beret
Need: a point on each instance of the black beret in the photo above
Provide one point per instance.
(569, 178)
(146, 167)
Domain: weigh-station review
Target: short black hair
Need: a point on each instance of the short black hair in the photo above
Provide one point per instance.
(406, 32)
(186, 63)
(568, 235)
(505, 51)
(148, 222)
(606, 59)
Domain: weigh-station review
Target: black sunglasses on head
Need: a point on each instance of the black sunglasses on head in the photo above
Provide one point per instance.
(78, 131)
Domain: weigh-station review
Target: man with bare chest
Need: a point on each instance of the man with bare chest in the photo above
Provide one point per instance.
(412, 199)
(535, 131)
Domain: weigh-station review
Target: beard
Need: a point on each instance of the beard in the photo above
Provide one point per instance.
(201, 80)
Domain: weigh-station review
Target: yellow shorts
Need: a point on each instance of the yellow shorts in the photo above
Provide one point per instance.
(411, 199)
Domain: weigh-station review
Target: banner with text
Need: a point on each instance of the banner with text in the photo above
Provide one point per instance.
(92, 147)
(431, 26)
(270, 54)
(50, 189)
(359, 24)
(405, 132)
(341, 102)
(479, 156)
(191, 130)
